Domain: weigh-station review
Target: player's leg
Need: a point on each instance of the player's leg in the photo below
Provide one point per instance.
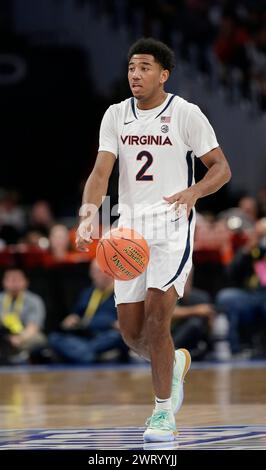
(131, 317)
(168, 269)
(159, 306)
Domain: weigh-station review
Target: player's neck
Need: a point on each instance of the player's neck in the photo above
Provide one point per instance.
(152, 102)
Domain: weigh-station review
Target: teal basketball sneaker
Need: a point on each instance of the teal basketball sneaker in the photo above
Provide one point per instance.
(161, 427)
(181, 367)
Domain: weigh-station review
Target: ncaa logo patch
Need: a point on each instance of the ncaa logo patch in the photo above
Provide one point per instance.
(165, 128)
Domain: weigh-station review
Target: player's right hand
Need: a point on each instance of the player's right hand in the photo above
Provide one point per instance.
(83, 236)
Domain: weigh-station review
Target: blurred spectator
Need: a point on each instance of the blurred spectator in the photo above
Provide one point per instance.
(257, 57)
(34, 239)
(59, 246)
(41, 219)
(240, 223)
(196, 31)
(12, 217)
(213, 236)
(262, 202)
(22, 316)
(231, 37)
(92, 328)
(59, 242)
(192, 321)
(245, 303)
(249, 207)
(61, 251)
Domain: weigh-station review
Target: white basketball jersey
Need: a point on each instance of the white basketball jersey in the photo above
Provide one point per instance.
(156, 149)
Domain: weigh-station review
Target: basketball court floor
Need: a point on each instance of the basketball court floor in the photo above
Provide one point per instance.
(105, 407)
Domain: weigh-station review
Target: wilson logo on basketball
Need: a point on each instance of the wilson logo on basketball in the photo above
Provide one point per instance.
(123, 253)
(121, 267)
(135, 255)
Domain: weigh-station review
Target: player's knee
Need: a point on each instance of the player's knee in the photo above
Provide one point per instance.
(131, 337)
(156, 326)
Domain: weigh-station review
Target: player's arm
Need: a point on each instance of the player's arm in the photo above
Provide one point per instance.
(218, 174)
(94, 191)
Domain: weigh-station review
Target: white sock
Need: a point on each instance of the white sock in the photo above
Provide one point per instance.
(163, 404)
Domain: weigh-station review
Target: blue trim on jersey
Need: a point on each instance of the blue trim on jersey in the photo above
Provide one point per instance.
(190, 168)
(133, 107)
(168, 104)
(187, 249)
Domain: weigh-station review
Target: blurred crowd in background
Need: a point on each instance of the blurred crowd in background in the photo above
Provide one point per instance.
(222, 314)
(55, 304)
(235, 31)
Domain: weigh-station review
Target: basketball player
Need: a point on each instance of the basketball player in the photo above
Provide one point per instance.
(156, 136)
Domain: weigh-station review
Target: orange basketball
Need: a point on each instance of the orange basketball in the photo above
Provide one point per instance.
(123, 254)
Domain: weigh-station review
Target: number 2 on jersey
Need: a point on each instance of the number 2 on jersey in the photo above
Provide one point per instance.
(140, 176)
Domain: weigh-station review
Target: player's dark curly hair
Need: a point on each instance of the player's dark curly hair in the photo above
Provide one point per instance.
(160, 51)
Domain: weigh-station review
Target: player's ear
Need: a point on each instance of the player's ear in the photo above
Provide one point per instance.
(164, 76)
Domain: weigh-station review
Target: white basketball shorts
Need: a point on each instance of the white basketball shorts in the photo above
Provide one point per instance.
(170, 241)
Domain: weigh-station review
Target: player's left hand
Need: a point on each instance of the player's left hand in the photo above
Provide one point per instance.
(188, 197)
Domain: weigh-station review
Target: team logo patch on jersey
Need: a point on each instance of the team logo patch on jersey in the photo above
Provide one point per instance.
(164, 128)
(166, 119)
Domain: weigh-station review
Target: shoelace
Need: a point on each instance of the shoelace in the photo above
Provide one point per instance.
(159, 419)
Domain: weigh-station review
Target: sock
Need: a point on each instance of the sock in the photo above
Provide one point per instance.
(163, 404)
